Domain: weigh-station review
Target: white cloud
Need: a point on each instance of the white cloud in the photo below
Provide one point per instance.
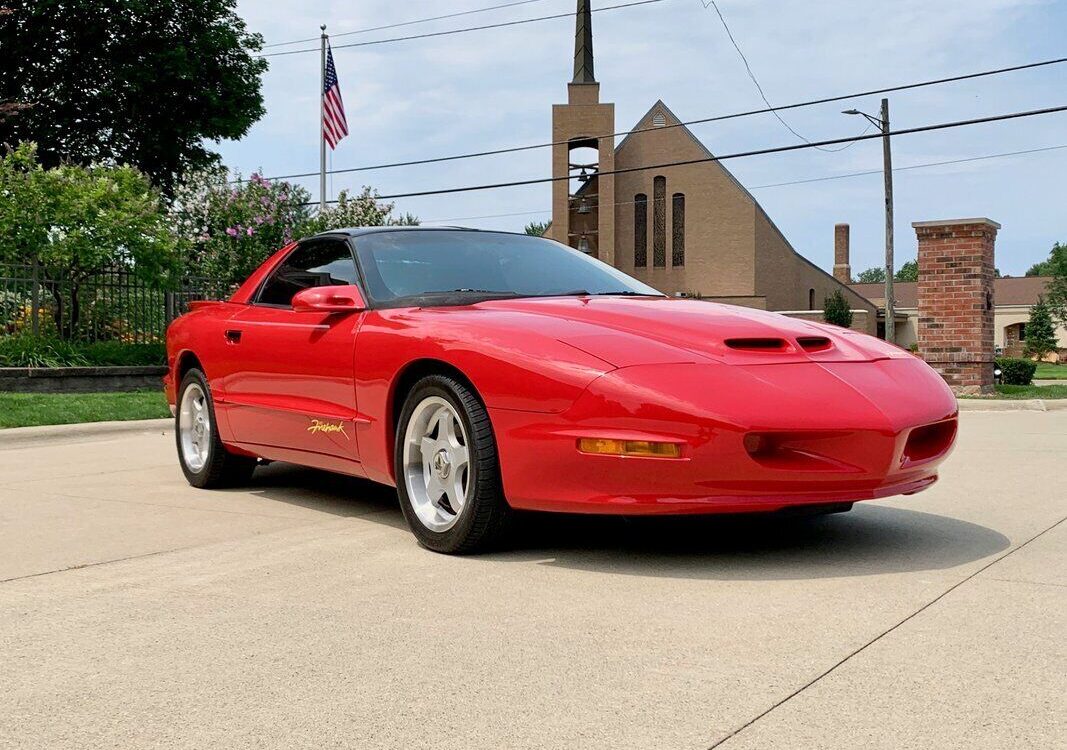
(490, 89)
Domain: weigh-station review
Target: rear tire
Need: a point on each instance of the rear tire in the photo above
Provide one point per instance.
(447, 470)
(204, 459)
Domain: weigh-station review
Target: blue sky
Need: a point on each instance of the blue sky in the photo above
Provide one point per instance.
(493, 89)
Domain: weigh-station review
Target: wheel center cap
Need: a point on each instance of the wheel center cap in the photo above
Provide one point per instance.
(442, 465)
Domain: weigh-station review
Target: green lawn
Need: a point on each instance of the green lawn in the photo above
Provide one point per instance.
(1047, 371)
(1031, 391)
(33, 409)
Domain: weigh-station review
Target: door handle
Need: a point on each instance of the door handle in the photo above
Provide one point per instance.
(233, 337)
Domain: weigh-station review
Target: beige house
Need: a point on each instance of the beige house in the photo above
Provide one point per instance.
(685, 229)
(1012, 300)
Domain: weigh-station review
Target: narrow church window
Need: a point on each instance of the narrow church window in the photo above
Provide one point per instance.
(659, 222)
(811, 299)
(641, 231)
(678, 231)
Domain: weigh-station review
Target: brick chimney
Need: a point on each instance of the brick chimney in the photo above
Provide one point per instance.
(842, 262)
(956, 270)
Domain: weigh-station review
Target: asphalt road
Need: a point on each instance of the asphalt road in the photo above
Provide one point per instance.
(137, 612)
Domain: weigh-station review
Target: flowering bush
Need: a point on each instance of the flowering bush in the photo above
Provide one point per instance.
(363, 210)
(228, 230)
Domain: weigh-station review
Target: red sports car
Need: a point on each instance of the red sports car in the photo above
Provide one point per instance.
(481, 372)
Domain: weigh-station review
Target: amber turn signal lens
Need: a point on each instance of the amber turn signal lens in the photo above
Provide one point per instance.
(606, 447)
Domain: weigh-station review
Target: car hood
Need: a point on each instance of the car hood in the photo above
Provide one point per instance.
(627, 331)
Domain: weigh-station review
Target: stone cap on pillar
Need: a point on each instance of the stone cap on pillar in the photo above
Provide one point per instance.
(954, 223)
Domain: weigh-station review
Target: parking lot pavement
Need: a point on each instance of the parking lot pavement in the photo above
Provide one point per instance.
(299, 613)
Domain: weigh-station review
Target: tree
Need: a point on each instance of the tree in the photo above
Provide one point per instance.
(836, 310)
(1057, 287)
(907, 272)
(77, 223)
(871, 276)
(128, 81)
(1041, 331)
(537, 228)
(1044, 268)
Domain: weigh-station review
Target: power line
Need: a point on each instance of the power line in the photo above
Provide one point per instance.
(759, 88)
(406, 23)
(848, 175)
(737, 155)
(469, 29)
(701, 121)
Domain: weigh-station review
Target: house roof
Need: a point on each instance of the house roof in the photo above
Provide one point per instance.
(1022, 290)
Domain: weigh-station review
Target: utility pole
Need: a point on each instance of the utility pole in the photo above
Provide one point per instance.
(882, 122)
(322, 120)
(890, 302)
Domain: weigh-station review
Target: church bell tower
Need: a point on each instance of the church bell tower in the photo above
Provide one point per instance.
(583, 200)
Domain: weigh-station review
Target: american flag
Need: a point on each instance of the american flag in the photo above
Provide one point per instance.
(334, 124)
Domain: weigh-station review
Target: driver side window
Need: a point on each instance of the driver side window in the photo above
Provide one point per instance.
(314, 264)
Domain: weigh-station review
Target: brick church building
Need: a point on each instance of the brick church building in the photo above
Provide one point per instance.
(690, 229)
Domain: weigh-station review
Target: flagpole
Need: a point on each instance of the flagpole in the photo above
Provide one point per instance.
(322, 125)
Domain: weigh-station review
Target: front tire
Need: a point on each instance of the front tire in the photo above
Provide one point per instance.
(204, 459)
(447, 471)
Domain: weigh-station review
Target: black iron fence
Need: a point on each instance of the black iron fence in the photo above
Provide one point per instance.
(112, 306)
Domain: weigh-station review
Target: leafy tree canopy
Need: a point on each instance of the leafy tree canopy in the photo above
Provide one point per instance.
(836, 310)
(133, 82)
(871, 276)
(79, 222)
(1044, 268)
(1057, 287)
(907, 272)
(537, 228)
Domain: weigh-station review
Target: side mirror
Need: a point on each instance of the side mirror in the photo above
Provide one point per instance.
(329, 299)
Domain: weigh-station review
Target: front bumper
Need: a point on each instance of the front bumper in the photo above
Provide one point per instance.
(757, 438)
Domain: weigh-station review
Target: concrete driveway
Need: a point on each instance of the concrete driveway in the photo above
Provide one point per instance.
(298, 613)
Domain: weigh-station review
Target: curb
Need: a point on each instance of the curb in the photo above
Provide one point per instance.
(24, 437)
(993, 404)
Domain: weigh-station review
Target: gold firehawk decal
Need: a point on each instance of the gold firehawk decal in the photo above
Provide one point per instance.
(327, 428)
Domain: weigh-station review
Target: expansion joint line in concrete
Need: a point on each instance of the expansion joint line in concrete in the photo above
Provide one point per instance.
(882, 635)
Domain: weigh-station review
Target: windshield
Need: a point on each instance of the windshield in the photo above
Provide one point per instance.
(449, 267)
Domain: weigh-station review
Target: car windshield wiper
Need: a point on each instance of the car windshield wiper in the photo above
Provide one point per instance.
(625, 293)
(587, 293)
(479, 292)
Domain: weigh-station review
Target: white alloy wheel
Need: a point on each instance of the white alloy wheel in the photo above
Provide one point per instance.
(194, 425)
(437, 464)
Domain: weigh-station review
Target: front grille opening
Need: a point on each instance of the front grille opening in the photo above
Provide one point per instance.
(929, 442)
(799, 451)
(814, 343)
(758, 345)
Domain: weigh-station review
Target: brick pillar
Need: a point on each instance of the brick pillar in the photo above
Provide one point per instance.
(842, 262)
(956, 300)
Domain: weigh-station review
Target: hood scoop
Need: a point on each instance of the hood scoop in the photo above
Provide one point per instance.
(758, 345)
(815, 343)
(780, 346)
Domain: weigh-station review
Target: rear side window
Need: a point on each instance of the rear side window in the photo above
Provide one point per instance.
(311, 265)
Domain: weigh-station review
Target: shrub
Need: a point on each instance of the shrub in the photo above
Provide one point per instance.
(116, 354)
(24, 350)
(836, 310)
(1017, 371)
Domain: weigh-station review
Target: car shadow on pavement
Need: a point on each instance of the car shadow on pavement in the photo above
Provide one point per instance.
(869, 540)
(873, 539)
